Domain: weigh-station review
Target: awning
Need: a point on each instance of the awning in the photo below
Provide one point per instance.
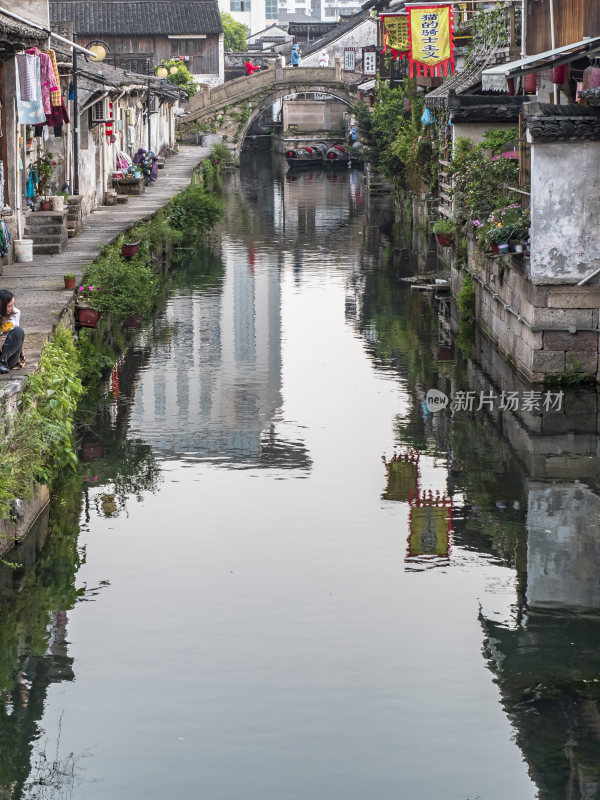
(494, 78)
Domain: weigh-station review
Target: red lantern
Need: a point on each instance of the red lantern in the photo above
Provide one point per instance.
(531, 83)
(559, 73)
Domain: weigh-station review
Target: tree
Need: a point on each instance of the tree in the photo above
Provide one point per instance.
(182, 78)
(234, 33)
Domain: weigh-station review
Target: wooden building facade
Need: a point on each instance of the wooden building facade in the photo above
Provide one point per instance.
(573, 19)
(143, 33)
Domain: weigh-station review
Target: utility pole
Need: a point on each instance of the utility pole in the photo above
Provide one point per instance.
(75, 123)
(149, 103)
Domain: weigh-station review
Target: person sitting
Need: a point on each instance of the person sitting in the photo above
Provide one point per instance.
(250, 67)
(324, 58)
(12, 335)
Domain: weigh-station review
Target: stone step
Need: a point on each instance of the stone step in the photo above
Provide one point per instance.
(122, 198)
(44, 230)
(45, 227)
(48, 237)
(44, 216)
(48, 248)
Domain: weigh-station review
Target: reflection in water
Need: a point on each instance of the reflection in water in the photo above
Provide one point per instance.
(313, 648)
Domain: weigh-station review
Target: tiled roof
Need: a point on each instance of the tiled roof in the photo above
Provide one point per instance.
(337, 32)
(143, 17)
(14, 31)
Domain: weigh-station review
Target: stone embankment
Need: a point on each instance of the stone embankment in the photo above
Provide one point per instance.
(39, 292)
(38, 286)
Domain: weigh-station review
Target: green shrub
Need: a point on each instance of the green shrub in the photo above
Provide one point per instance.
(466, 297)
(444, 225)
(194, 211)
(220, 152)
(40, 442)
(126, 286)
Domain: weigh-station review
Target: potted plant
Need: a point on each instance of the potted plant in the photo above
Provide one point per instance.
(69, 280)
(130, 249)
(444, 230)
(87, 315)
(43, 167)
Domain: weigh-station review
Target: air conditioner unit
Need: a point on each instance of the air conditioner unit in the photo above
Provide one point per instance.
(100, 111)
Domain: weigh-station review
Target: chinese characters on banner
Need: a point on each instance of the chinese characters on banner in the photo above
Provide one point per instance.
(349, 60)
(396, 34)
(431, 35)
(369, 61)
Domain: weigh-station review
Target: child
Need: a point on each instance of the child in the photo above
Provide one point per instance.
(11, 335)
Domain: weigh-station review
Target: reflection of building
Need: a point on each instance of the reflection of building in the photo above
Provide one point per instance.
(563, 546)
(217, 387)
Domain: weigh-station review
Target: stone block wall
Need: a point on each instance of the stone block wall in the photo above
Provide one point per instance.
(545, 330)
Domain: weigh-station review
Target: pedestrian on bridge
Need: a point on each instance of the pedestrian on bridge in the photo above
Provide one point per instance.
(250, 67)
(295, 56)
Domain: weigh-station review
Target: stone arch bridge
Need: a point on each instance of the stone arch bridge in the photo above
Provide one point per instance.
(230, 109)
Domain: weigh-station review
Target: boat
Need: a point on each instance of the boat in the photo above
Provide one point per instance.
(310, 156)
(337, 156)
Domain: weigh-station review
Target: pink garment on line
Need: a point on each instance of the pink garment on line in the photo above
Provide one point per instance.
(47, 78)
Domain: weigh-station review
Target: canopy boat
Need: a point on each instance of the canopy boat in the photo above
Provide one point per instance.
(306, 156)
(337, 156)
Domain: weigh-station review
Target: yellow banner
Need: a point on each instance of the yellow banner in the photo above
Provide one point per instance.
(429, 527)
(430, 35)
(397, 32)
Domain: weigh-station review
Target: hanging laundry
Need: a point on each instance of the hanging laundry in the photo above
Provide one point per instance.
(31, 188)
(55, 96)
(1, 184)
(47, 77)
(30, 112)
(29, 84)
(3, 242)
(58, 115)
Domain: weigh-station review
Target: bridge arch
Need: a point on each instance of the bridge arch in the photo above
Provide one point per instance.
(230, 109)
(277, 94)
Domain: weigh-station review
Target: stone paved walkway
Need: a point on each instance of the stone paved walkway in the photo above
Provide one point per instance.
(38, 285)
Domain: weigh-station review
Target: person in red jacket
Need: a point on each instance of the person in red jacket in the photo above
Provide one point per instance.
(250, 68)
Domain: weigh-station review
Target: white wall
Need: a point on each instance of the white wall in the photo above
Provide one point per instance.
(565, 210)
(363, 35)
(33, 10)
(474, 130)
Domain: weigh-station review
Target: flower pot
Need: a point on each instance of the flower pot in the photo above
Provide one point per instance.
(503, 248)
(133, 321)
(45, 205)
(130, 250)
(518, 248)
(494, 248)
(92, 451)
(58, 202)
(88, 317)
(444, 239)
(69, 283)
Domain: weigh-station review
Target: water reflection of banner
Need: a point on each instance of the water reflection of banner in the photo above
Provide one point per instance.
(402, 476)
(431, 37)
(430, 525)
(396, 34)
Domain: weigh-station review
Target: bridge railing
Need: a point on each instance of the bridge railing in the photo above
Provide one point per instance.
(240, 88)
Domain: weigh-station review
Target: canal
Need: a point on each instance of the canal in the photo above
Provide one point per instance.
(282, 573)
